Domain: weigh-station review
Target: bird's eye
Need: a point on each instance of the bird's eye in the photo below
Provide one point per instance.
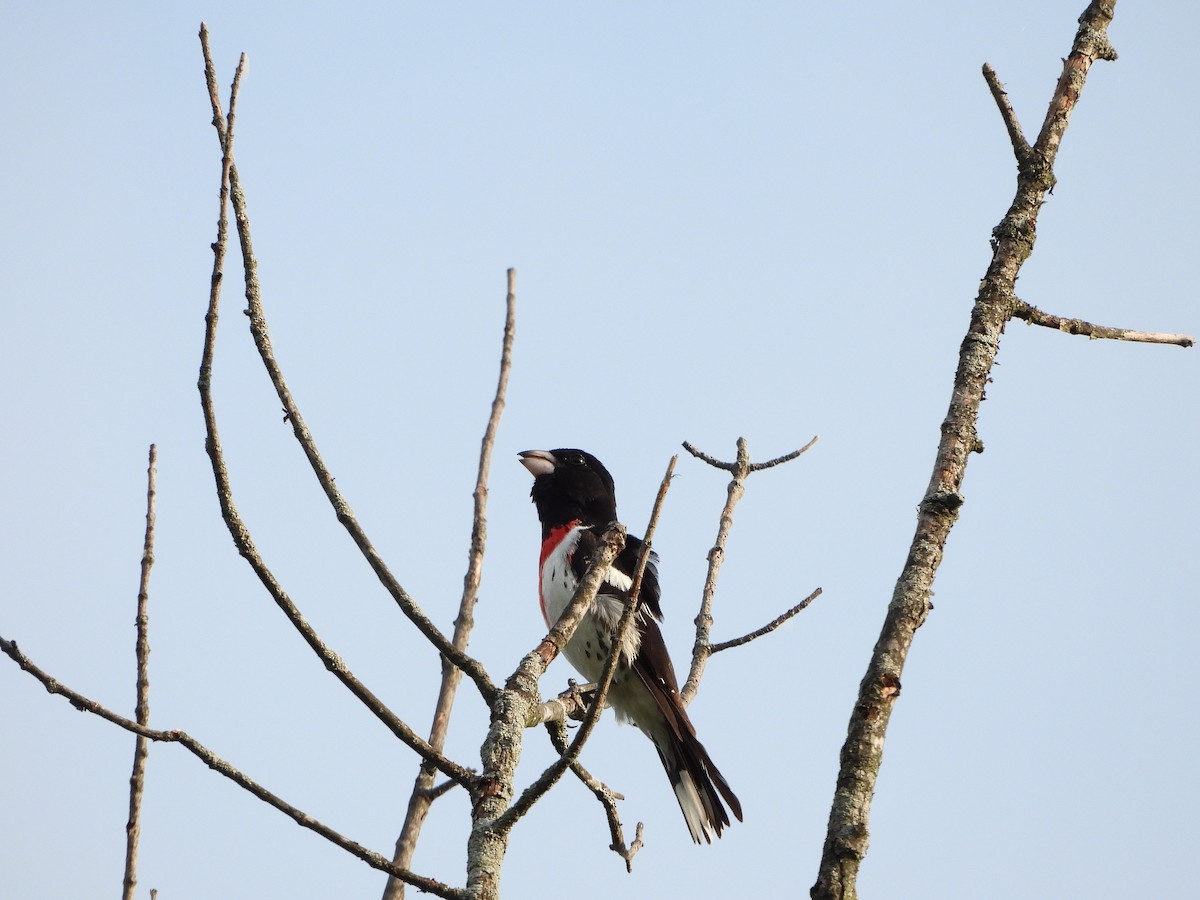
(575, 459)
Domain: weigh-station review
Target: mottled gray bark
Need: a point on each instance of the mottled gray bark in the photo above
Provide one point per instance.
(996, 303)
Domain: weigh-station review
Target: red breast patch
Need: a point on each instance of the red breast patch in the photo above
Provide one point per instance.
(556, 536)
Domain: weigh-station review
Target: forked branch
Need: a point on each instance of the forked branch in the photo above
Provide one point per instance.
(740, 468)
(606, 796)
(1012, 243)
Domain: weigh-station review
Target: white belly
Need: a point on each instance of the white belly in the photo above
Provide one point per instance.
(591, 644)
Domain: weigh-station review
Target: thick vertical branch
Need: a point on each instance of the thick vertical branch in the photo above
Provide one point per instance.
(133, 827)
(1013, 239)
(423, 792)
(515, 707)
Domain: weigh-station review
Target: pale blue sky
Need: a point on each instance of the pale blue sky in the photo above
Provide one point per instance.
(765, 220)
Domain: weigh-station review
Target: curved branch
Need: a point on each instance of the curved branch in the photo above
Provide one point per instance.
(262, 340)
(237, 527)
(768, 628)
(221, 767)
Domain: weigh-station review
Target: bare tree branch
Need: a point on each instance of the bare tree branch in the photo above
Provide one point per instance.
(557, 729)
(1035, 316)
(221, 767)
(766, 629)
(440, 790)
(1012, 243)
(422, 795)
(1021, 148)
(786, 458)
(572, 703)
(740, 468)
(141, 750)
(262, 340)
(237, 527)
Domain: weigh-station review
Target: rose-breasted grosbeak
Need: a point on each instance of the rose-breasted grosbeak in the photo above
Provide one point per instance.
(576, 501)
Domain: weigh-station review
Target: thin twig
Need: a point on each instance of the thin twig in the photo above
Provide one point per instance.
(237, 527)
(141, 749)
(740, 468)
(422, 795)
(221, 767)
(1035, 316)
(768, 628)
(608, 798)
(786, 458)
(1021, 148)
(555, 771)
(441, 790)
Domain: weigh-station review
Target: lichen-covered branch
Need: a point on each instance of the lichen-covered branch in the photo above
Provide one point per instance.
(1021, 148)
(515, 706)
(1012, 243)
(1035, 316)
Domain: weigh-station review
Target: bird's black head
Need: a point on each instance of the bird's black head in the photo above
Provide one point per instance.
(568, 485)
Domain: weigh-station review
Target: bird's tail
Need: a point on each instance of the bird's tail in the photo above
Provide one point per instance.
(698, 784)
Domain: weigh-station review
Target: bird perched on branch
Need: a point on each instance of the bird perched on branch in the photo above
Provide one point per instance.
(576, 501)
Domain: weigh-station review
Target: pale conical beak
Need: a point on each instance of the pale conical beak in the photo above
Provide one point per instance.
(538, 462)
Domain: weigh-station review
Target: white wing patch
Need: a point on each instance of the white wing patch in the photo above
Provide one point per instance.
(618, 579)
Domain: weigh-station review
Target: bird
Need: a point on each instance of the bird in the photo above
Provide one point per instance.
(576, 501)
